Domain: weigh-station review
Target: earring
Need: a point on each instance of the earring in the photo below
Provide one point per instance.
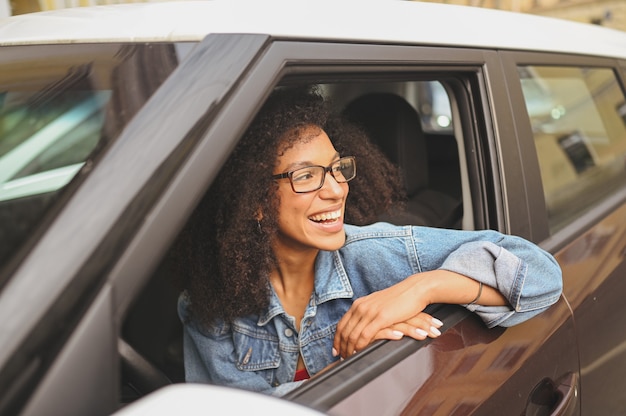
(258, 224)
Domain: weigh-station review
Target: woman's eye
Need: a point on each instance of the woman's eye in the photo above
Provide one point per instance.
(301, 176)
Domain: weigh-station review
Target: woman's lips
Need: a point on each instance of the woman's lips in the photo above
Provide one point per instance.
(326, 217)
(329, 221)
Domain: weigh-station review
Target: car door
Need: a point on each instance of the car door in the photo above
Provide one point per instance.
(571, 112)
(62, 294)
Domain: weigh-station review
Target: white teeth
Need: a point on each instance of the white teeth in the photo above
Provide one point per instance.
(326, 216)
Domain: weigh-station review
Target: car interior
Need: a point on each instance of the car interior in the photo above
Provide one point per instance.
(411, 122)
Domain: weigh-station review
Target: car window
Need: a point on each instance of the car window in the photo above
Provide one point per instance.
(44, 144)
(433, 104)
(578, 118)
(59, 107)
(411, 122)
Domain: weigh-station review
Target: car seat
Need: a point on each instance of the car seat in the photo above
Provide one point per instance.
(395, 127)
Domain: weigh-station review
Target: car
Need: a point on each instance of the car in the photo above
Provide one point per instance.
(115, 120)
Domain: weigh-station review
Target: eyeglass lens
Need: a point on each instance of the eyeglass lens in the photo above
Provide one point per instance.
(311, 178)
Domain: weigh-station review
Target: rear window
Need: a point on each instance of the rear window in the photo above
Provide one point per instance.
(59, 107)
(578, 117)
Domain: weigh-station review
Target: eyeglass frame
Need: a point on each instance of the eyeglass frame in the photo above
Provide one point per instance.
(327, 169)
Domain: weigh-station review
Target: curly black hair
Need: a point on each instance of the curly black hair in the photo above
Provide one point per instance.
(227, 252)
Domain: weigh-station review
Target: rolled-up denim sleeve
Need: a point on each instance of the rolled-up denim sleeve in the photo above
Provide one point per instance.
(528, 277)
(209, 358)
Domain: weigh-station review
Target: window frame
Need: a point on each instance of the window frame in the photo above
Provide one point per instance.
(301, 61)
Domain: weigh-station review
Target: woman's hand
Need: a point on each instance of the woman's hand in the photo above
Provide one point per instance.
(385, 314)
(419, 327)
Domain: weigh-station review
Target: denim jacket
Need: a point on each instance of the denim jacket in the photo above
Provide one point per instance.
(260, 353)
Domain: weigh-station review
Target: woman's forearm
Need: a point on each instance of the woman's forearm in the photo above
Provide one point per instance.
(444, 286)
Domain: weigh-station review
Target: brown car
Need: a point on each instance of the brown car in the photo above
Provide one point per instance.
(115, 120)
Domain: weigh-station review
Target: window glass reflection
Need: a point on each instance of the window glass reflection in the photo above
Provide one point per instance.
(59, 107)
(577, 117)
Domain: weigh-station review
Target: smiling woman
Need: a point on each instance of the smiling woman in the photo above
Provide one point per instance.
(122, 124)
(277, 288)
(238, 215)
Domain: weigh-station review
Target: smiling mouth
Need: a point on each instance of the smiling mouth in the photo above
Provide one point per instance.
(326, 217)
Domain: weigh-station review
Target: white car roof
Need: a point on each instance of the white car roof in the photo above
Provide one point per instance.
(381, 21)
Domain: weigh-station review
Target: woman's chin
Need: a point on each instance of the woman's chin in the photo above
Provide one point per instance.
(332, 235)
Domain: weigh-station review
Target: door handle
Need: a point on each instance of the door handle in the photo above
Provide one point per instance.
(550, 398)
(567, 392)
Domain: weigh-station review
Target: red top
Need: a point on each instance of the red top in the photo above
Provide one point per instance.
(301, 375)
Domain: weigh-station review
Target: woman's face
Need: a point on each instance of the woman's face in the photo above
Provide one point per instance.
(313, 219)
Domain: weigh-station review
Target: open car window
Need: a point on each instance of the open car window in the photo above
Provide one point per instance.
(151, 340)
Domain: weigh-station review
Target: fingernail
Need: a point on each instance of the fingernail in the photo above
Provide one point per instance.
(435, 331)
(398, 334)
(353, 352)
(335, 353)
(437, 323)
(421, 332)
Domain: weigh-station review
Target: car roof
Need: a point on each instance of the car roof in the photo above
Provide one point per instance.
(379, 21)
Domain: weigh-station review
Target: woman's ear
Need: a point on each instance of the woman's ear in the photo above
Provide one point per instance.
(258, 216)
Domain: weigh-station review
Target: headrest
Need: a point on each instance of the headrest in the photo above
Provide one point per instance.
(395, 126)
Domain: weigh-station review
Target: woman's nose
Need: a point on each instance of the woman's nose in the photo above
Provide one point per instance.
(332, 187)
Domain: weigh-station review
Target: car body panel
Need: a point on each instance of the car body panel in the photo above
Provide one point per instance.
(381, 21)
(91, 346)
(594, 268)
(472, 372)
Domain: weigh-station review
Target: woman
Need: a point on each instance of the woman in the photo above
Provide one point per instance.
(278, 287)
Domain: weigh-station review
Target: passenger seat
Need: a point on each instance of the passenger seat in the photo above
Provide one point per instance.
(395, 126)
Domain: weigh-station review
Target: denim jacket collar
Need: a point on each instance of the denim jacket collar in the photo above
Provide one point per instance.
(331, 282)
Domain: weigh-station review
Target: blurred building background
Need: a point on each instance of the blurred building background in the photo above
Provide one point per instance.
(609, 13)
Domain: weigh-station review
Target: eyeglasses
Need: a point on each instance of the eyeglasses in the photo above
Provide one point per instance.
(311, 178)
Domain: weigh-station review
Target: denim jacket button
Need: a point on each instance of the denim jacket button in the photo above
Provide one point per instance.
(288, 332)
